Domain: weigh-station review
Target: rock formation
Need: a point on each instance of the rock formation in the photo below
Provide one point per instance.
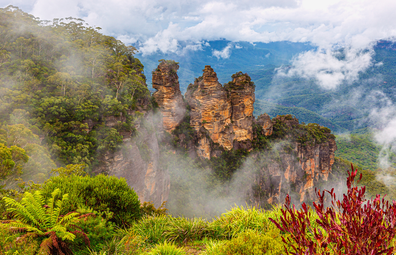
(294, 157)
(226, 113)
(241, 92)
(293, 166)
(211, 110)
(168, 95)
(264, 121)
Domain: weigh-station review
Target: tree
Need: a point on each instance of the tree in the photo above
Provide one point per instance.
(38, 219)
(11, 160)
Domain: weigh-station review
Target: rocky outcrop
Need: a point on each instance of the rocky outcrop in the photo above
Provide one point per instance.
(168, 95)
(241, 91)
(265, 122)
(297, 162)
(226, 113)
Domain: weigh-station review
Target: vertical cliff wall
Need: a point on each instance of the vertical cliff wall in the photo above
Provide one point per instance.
(168, 95)
(300, 157)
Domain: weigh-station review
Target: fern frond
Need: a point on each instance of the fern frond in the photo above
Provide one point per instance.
(54, 208)
(28, 228)
(69, 218)
(34, 204)
(62, 233)
(20, 211)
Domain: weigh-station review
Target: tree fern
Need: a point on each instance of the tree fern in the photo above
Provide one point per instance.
(32, 215)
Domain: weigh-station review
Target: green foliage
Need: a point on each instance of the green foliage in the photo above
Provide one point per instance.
(151, 228)
(61, 80)
(167, 249)
(280, 129)
(11, 242)
(228, 163)
(360, 149)
(98, 229)
(148, 208)
(184, 134)
(260, 140)
(313, 133)
(249, 242)
(44, 219)
(104, 194)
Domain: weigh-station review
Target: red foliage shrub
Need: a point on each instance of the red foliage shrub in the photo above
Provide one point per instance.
(354, 225)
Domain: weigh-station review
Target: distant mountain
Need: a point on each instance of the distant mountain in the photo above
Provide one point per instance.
(226, 58)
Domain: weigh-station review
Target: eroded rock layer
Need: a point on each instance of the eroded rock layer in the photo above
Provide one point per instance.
(211, 109)
(293, 166)
(225, 112)
(241, 91)
(168, 95)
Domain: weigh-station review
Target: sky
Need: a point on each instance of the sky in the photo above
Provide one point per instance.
(162, 24)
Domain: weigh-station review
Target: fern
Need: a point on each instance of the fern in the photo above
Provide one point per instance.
(44, 220)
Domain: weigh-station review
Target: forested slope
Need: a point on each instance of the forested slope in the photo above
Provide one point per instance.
(55, 76)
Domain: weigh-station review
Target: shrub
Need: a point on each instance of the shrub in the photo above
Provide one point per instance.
(354, 225)
(240, 219)
(11, 243)
(185, 230)
(167, 249)
(249, 242)
(104, 194)
(98, 230)
(151, 228)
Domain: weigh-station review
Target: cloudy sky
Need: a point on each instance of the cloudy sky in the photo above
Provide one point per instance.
(161, 24)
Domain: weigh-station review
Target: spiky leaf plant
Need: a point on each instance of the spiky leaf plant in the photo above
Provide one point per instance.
(33, 216)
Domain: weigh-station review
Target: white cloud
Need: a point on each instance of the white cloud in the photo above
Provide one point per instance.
(325, 22)
(224, 53)
(328, 67)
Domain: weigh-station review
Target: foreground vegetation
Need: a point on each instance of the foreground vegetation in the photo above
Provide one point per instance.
(49, 221)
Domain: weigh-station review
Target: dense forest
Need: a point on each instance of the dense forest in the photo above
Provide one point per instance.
(60, 81)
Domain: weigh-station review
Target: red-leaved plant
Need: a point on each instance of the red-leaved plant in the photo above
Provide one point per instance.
(354, 225)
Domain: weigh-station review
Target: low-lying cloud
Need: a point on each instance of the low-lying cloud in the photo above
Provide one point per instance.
(330, 68)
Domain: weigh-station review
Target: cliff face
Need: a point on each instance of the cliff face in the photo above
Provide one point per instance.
(211, 111)
(225, 113)
(297, 162)
(241, 92)
(168, 95)
(138, 160)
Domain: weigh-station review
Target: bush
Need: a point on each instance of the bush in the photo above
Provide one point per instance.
(249, 242)
(167, 249)
(104, 194)
(98, 230)
(12, 243)
(354, 225)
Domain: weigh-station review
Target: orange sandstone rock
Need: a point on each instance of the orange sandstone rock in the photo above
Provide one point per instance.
(168, 95)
